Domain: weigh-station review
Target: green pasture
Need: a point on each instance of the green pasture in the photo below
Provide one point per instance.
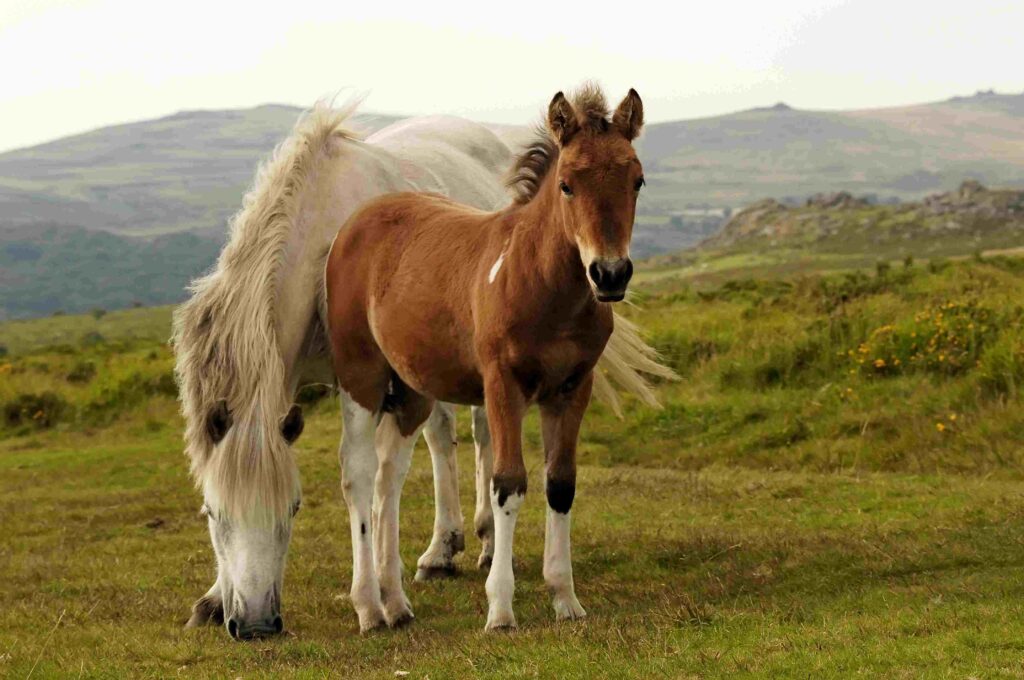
(833, 489)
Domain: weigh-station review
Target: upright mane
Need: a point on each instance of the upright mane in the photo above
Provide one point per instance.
(541, 152)
(225, 336)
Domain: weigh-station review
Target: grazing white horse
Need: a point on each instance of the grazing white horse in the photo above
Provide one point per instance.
(252, 333)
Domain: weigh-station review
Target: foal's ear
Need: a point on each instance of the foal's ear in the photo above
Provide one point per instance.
(562, 119)
(629, 117)
(218, 421)
(291, 426)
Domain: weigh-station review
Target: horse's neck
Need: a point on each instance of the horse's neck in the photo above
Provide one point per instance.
(352, 174)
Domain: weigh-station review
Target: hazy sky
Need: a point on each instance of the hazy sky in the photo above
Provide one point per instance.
(73, 65)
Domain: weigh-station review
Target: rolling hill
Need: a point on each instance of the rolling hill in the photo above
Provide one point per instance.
(895, 153)
(84, 217)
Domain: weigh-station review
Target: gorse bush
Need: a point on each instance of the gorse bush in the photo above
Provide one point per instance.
(947, 338)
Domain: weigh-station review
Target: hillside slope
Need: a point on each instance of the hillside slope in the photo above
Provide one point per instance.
(904, 153)
(185, 172)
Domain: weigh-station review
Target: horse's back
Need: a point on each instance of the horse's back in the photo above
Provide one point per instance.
(466, 160)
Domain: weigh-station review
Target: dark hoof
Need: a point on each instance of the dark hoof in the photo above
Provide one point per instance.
(437, 573)
(207, 611)
(402, 621)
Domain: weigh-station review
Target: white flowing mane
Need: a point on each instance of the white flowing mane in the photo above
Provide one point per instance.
(225, 336)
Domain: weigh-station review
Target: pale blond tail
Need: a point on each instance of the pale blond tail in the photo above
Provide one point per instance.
(625, 362)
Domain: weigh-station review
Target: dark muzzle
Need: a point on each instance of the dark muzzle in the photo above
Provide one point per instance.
(248, 631)
(611, 277)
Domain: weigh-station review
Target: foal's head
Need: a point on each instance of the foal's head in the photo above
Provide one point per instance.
(599, 178)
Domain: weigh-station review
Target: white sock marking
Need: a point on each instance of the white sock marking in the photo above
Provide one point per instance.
(501, 583)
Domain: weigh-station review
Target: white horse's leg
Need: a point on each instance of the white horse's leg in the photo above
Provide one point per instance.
(358, 467)
(484, 518)
(448, 539)
(394, 451)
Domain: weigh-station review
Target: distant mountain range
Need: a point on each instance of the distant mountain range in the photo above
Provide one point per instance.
(893, 153)
(167, 186)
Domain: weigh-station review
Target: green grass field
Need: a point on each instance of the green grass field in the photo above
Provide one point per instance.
(833, 489)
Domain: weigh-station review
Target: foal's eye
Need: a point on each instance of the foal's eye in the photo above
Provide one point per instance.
(565, 188)
(639, 183)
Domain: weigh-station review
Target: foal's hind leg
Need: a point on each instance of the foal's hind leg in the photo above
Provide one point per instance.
(448, 539)
(358, 467)
(484, 518)
(394, 450)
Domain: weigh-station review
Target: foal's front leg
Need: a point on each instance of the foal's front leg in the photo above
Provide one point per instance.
(560, 425)
(505, 408)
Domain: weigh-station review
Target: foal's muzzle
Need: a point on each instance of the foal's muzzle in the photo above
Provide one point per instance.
(247, 631)
(610, 278)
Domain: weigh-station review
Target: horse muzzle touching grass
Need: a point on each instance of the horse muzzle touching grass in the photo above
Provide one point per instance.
(428, 300)
(251, 545)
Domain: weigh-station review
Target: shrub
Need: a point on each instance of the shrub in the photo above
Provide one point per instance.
(946, 339)
(82, 372)
(1001, 368)
(98, 313)
(37, 410)
(682, 352)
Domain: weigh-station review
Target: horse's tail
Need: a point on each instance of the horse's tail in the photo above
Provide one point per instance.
(626, 360)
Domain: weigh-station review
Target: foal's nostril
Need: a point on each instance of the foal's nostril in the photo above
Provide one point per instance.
(278, 625)
(611, 276)
(233, 628)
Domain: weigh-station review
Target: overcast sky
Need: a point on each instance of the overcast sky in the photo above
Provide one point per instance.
(73, 65)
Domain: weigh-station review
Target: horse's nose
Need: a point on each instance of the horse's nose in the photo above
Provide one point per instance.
(243, 630)
(611, 277)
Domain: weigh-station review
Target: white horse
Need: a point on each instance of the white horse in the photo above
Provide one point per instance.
(252, 333)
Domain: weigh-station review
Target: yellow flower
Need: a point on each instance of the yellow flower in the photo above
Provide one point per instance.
(940, 427)
(952, 417)
(879, 363)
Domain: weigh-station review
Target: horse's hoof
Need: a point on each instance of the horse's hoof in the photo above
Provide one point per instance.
(207, 611)
(401, 620)
(569, 609)
(505, 621)
(434, 573)
(371, 620)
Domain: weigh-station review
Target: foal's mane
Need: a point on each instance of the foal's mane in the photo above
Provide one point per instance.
(225, 335)
(541, 152)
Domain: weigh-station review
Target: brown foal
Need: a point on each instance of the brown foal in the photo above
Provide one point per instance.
(430, 300)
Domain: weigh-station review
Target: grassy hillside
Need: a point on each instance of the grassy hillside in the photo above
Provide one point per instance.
(185, 172)
(833, 489)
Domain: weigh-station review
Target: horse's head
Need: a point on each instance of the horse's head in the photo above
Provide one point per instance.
(599, 177)
(249, 511)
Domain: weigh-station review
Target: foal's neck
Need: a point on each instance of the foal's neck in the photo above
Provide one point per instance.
(551, 254)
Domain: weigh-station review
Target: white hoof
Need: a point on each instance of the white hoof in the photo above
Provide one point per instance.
(501, 620)
(568, 609)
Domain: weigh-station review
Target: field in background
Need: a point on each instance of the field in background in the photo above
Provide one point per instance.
(833, 487)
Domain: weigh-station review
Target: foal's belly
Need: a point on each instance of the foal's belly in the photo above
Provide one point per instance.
(429, 354)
